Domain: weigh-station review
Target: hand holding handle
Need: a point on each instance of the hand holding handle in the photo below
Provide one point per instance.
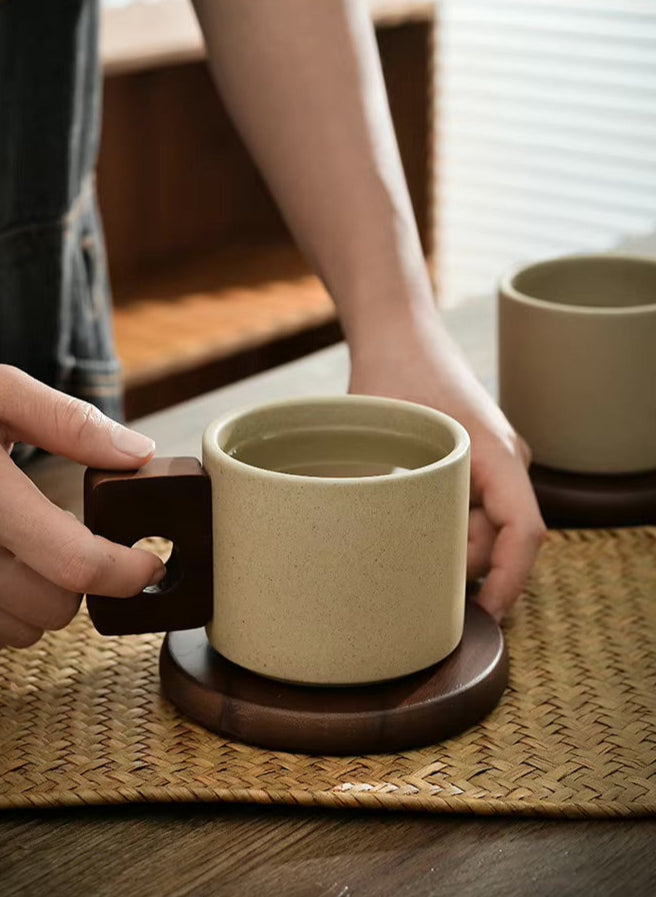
(169, 497)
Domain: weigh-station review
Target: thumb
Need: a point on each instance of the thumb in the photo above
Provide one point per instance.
(39, 415)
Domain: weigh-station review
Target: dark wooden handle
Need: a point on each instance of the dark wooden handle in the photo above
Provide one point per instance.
(169, 497)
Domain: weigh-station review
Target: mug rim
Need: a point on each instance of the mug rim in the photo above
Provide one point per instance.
(508, 290)
(458, 432)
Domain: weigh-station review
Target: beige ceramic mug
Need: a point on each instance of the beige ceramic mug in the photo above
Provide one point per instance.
(577, 362)
(334, 575)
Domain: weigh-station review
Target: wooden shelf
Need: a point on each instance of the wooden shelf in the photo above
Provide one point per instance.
(213, 307)
(208, 285)
(192, 326)
(143, 35)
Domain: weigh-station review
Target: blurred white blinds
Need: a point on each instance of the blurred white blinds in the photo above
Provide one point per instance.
(546, 132)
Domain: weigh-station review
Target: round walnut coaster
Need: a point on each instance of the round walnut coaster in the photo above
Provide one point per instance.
(584, 500)
(419, 709)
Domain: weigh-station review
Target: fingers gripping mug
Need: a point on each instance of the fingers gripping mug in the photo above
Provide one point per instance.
(323, 541)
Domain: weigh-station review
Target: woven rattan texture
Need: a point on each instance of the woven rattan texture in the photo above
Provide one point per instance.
(82, 721)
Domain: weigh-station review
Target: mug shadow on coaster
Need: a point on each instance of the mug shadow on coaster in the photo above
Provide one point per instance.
(321, 612)
(577, 369)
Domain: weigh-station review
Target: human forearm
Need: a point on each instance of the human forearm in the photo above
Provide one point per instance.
(303, 83)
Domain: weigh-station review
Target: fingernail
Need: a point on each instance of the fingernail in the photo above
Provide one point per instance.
(131, 443)
(496, 613)
(158, 576)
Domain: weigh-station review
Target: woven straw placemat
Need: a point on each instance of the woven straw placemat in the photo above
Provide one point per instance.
(82, 721)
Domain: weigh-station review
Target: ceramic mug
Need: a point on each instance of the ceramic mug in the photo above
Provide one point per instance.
(309, 579)
(577, 362)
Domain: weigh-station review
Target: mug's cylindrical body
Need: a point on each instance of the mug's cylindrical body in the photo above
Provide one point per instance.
(323, 580)
(577, 362)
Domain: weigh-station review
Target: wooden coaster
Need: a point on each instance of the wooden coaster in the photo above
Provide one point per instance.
(420, 709)
(569, 500)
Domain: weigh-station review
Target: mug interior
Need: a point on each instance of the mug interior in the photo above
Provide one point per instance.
(371, 415)
(603, 282)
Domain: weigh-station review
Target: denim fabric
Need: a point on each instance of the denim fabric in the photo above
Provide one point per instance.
(55, 306)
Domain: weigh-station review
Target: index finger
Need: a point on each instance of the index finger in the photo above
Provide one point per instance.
(61, 548)
(39, 415)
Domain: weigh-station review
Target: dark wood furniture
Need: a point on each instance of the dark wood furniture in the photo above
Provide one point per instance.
(579, 500)
(208, 285)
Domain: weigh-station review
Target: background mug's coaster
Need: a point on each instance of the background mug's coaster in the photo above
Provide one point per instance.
(415, 710)
(584, 500)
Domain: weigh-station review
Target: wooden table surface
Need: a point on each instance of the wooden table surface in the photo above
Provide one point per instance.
(185, 850)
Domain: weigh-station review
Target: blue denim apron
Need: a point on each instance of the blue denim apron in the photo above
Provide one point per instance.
(55, 306)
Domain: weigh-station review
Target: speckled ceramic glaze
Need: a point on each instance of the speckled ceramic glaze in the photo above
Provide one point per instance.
(577, 362)
(338, 581)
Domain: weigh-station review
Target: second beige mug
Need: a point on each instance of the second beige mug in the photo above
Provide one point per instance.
(577, 362)
(337, 574)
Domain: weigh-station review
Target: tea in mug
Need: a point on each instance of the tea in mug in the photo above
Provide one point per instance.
(336, 452)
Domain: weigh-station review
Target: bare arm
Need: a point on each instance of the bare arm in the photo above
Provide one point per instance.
(303, 83)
